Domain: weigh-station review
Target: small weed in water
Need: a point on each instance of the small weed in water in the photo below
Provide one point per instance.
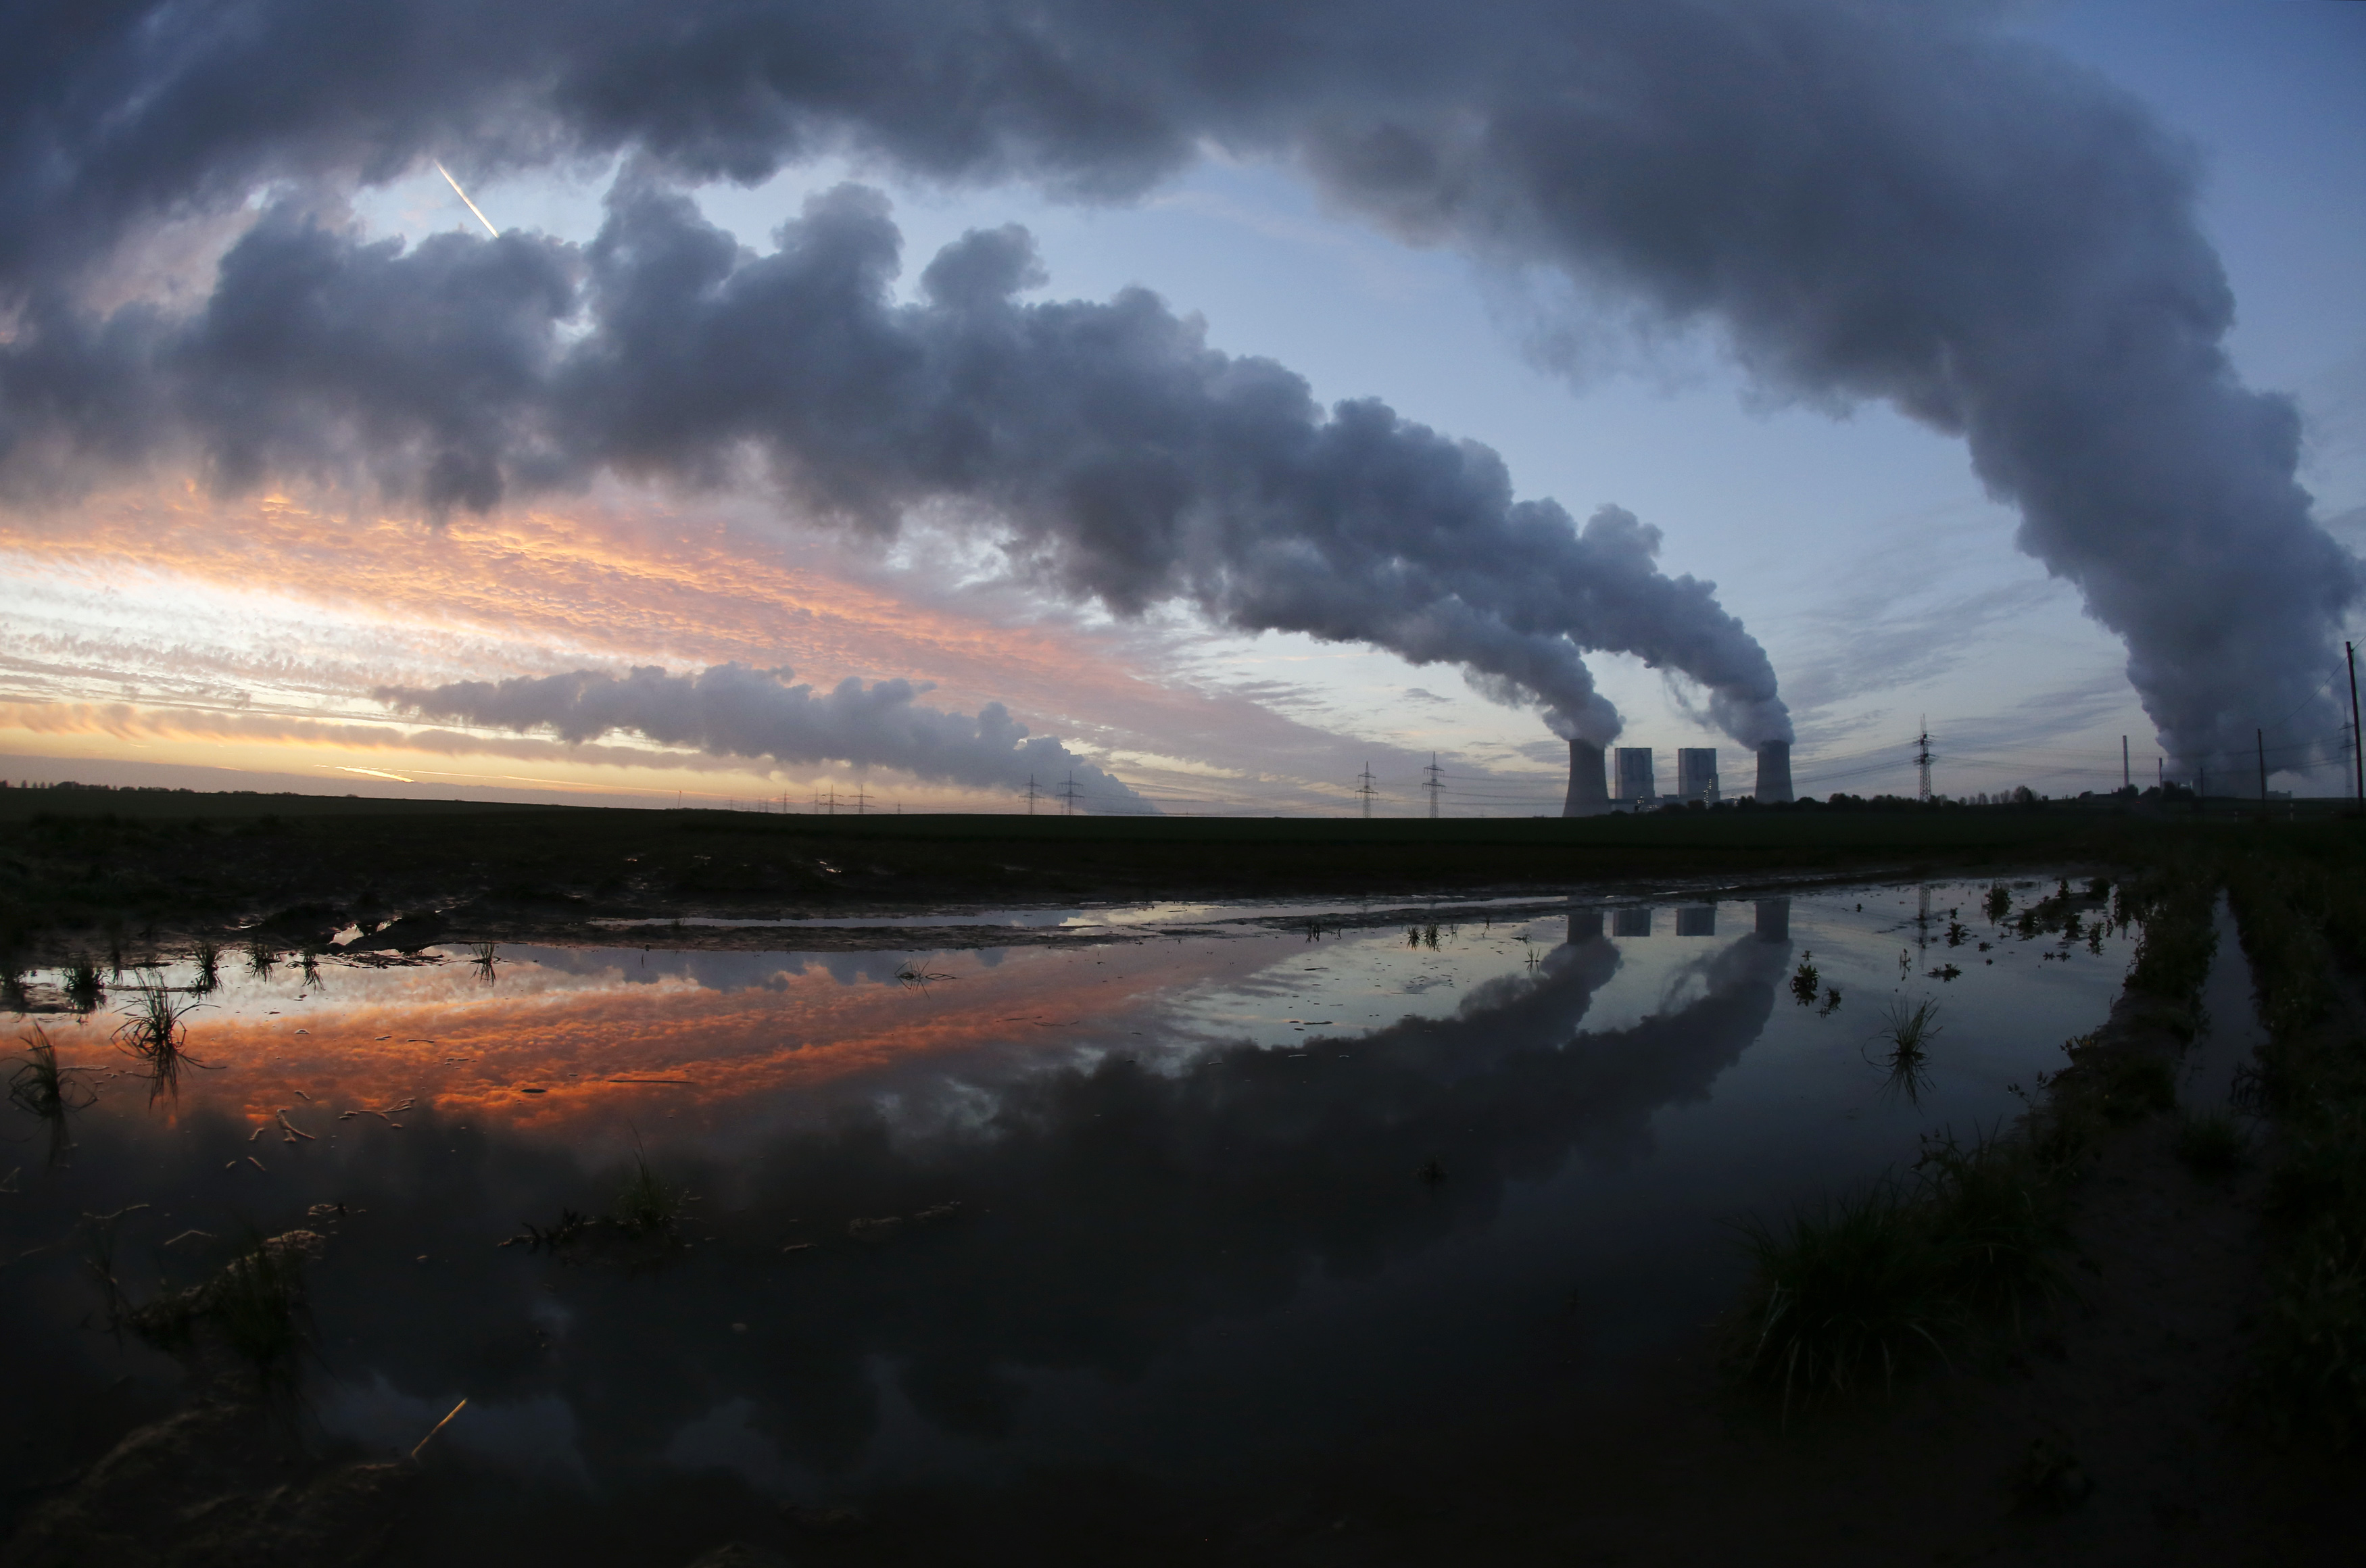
(261, 960)
(1999, 903)
(153, 1031)
(1805, 980)
(207, 956)
(1903, 1043)
(41, 1087)
(650, 1205)
(84, 988)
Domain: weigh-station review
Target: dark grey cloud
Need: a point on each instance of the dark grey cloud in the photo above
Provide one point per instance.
(1867, 200)
(738, 711)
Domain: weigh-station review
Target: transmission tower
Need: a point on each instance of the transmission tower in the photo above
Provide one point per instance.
(1922, 759)
(1434, 783)
(1031, 794)
(861, 801)
(1366, 791)
(1068, 797)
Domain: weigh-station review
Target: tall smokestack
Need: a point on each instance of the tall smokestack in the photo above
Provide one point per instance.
(1589, 789)
(1774, 773)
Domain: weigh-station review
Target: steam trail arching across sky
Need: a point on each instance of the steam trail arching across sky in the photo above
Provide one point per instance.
(1114, 455)
(733, 710)
(1870, 200)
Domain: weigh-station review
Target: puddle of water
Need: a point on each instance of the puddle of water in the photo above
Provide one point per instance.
(1216, 1200)
(2232, 1040)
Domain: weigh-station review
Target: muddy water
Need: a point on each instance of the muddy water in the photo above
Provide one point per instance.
(1238, 1189)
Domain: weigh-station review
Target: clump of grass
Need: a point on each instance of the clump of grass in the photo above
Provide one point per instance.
(207, 956)
(1861, 1290)
(257, 1303)
(485, 957)
(2179, 937)
(1999, 902)
(1805, 980)
(2129, 1087)
(2213, 1144)
(41, 1087)
(1906, 1035)
(308, 965)
(84, 988)
(153, 1031)
(1841, 1298)
(261, 958)
(1999, 1220)
(254, 1307)
(650, 1205)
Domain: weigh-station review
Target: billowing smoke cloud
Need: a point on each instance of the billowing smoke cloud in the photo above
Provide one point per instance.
(739, 712)
(1115, 454)
(1871, 200)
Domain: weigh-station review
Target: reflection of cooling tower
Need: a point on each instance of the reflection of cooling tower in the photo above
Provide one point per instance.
(1700, 921)
(1774, 920)
(1774, 773)
(1635, 920)
(1589, 794)
(1584, 923)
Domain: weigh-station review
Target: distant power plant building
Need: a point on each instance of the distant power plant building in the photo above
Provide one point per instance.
(1637, 782)
(1589, 795)
(1697, 773)
(1774, 773)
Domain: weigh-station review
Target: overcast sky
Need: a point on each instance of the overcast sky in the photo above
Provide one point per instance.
(157, 625)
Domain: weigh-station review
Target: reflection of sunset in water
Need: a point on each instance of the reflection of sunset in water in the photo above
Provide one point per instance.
(1193, 1200)
(547, 1047)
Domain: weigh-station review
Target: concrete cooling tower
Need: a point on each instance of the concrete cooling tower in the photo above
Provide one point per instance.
(1589, 789)
(1774, 773)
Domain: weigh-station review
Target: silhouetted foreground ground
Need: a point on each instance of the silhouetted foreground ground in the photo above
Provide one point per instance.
(2126, 1429)
(150, 866)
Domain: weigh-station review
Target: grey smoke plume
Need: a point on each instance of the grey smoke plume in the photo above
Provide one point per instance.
(734, 710)
(1116, 456)
(1871, 200)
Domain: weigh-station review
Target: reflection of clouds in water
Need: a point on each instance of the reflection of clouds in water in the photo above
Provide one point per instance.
(723, 972)
(1127, 1207)
(534, 1437)
(1110, 1210)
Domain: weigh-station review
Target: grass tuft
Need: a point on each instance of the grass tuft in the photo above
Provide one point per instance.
(1858, 1292)
(153, 1031)
(2213, 1144)
(42, 1087)
(207, 954)
(1906, 1035)
(85, 989)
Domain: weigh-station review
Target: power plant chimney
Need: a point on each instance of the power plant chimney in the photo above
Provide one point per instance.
(1774, 773)
(1589, 789)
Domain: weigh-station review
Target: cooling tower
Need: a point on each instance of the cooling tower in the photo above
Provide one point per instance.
(1589, 790)
(1697, 773)
(1774, 773)
(1635, 782)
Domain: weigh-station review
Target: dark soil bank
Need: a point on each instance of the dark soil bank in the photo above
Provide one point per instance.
(147, 867)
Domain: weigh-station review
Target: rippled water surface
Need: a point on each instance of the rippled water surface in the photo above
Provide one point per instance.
(1239, 1188)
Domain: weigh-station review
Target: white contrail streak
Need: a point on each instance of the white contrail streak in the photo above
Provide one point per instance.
(464, 197)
